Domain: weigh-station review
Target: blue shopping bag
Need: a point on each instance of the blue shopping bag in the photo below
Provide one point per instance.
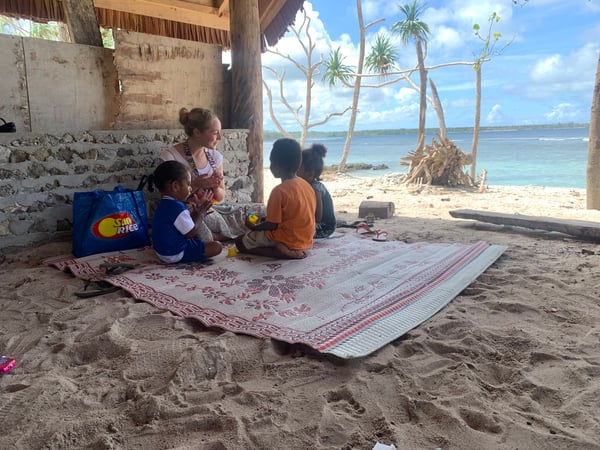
(107, 221)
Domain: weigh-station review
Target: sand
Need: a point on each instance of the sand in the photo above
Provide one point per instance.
(513, 362)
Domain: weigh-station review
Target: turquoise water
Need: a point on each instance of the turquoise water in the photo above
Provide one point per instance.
(553, 157)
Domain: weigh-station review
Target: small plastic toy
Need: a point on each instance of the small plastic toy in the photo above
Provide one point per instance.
(252, 218)
(6, 363)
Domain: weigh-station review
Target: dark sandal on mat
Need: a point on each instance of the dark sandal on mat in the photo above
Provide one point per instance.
(93, 288)
(344, 224)
(116, 268)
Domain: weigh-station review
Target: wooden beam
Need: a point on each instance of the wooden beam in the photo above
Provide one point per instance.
(246, 85)
(82, 22)
(224, 8)
(175, 10)
(269, 12)
(578, 228)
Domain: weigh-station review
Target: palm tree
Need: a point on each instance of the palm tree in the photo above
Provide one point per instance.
(411, 28)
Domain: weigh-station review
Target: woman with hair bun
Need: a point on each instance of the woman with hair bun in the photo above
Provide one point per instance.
(200, 155)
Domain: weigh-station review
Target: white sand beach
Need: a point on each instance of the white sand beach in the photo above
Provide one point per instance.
(511, 363)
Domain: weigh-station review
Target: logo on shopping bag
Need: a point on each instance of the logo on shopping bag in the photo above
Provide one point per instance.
(115, 226)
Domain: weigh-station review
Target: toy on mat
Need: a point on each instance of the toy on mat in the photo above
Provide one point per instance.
(6, 363)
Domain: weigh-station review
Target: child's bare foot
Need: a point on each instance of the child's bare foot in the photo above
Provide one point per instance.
(288, 253)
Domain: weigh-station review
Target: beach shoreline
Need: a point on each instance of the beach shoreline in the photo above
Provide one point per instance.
(512, 362)
(435, 201)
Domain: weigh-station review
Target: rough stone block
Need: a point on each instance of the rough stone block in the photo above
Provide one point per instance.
(381, 210)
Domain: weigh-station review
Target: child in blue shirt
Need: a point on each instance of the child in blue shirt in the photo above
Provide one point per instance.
(311, 170)
(178, 216)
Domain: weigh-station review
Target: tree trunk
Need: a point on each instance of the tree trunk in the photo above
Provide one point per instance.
(422, 96)
(477, 121)
(246, 83)
(439, 110)
(357, 85)
(593, 165)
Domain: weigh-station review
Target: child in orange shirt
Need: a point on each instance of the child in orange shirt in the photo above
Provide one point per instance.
(287, 232)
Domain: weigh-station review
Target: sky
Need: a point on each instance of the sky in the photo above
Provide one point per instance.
(544, 76)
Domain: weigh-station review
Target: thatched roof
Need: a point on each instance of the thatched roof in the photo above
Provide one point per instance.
(197, 20)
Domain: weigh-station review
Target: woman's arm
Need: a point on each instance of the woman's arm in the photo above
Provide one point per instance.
(219, 189)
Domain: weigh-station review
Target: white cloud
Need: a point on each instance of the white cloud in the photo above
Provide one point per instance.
(447, 38)
(495, 116)
(372, 9)
(563, 113)
(557, 73)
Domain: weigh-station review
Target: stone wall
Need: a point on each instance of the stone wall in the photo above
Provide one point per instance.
(40, 172)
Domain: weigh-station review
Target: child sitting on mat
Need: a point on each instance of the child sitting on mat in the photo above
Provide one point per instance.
(178, 216)
(287, 231)
(311, 170)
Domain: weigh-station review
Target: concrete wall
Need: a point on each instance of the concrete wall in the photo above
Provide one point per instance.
(40, 172)
(57, 87)
(159, 75)
(50, 87)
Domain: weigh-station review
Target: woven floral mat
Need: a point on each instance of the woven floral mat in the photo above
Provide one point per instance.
(349, 297)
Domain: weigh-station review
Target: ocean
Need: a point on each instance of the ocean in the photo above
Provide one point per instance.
(552, 157)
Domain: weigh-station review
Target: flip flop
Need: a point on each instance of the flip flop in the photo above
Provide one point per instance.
(363, 228)
(380, 236)
(93, 288)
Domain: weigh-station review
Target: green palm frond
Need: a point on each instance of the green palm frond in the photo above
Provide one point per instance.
(411, 27)
(382, 56)
(335, 69)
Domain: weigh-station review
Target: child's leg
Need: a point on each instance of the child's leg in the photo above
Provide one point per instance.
(257, 243)
(198, 250)
(286, 253)
(212, 248)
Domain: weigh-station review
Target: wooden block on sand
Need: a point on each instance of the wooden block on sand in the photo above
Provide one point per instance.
(381, 210)
(578, 228)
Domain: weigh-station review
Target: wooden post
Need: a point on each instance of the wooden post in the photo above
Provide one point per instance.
(246, 70)
(82, 22)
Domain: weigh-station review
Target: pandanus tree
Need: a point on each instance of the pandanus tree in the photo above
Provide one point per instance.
(382, 61)
(411, 28)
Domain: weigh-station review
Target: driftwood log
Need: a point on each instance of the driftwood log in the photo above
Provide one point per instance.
(440, 163)
(578, 228)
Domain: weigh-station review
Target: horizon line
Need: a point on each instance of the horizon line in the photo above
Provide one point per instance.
(429, 130)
